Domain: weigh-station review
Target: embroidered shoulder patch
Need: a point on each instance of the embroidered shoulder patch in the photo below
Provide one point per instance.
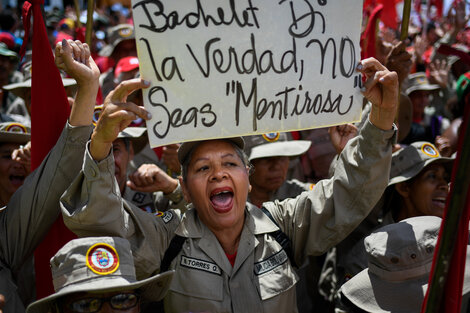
(271, 262)
(166, 216)
(138, 197)
(200, 265)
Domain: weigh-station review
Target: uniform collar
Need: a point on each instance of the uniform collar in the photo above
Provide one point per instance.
(255, 220)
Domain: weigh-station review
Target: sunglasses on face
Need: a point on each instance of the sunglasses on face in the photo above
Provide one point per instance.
(122, 301)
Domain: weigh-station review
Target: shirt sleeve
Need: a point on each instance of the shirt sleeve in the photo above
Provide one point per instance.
(318, 219)
(93, 206)
(34, 207)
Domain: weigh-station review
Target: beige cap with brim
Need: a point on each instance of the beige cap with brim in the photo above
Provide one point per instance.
(116, 35)
(400, 258)
(18, 88)
(137, 136)
(98, 265)
(13, 132)
(273, 145)
(186, 147)
(411, 160)
(419, 81)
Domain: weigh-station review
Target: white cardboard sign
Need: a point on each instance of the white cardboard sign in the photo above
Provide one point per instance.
(224, 68)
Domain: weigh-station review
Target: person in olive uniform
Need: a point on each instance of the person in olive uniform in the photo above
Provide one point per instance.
(229, 260)
(34, 207)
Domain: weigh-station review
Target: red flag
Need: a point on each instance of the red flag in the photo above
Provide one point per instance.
(455, 222)
(49, 112)
(369, 36)
(389, 14)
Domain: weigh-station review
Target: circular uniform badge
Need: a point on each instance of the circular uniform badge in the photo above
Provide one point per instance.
(159, 213)
(125, 32)
(97, 113)
(102, 259)
(271, 137)
(16, 128)
(430, 150)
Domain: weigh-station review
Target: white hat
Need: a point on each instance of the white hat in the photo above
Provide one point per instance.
(274, 144)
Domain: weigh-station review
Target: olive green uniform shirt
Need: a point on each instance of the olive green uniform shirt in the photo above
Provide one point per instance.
(34, 207)
(262, 278)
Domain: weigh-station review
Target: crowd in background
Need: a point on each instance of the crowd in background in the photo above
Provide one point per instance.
(434, 88)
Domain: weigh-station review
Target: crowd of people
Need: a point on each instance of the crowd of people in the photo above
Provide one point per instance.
(340, 219)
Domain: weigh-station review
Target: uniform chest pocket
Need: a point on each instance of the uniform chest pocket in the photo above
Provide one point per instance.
(198, 278)
(274, 275)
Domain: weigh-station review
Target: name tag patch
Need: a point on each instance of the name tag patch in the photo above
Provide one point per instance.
(200, 265)
(271, 263)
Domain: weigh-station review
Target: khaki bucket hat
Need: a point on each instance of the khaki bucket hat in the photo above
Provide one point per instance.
(419, 81)
(98, 265)
(18, 89)
(14, 132)
(274, 144)
(400, 259)
(409, 161)
(116, 35)
(137, 136)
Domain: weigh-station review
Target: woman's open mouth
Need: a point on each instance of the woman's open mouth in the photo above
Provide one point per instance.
(439, 202)
(222, 199)
(17, 180)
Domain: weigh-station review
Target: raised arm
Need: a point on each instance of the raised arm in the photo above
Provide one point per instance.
(320, 218)
(35, 206)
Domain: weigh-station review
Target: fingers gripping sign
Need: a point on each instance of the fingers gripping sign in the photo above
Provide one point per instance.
(381, 89)
(117, 114)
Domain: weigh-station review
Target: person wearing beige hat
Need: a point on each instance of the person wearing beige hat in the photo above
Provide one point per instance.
(228, 257)
(33, 208)
(13, 171)
(400, 257)
(270, 155)
(121, 43)
(22, 90)
(97, 274)
(8, 61)
(426, 124)
(418, 186)
(399, 263)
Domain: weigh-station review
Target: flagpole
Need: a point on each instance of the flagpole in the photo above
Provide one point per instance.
(89, 22)
(405, 22)
(78, 13)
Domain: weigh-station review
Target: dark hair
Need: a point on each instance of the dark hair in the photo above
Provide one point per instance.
(241, 154)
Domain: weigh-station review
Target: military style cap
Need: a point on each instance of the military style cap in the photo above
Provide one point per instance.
(409, 161)
(274, 144)
(187, 147)
(400, 259)
(116, 35)
(7, 52)
(14, 132)
(98, 265)
(18, 89)
(419, 81)
(137, 136)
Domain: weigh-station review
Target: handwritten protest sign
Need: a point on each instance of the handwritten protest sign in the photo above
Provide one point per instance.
(221, 68)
